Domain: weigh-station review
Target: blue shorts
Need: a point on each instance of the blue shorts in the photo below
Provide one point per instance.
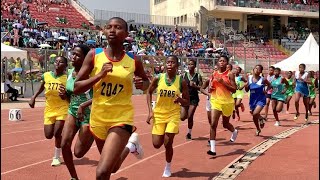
(253, 106)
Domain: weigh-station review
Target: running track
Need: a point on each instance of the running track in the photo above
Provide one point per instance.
(26, 154)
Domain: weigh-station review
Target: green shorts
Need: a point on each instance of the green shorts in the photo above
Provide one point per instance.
(312, 95)
(290, 93)
(74, 111)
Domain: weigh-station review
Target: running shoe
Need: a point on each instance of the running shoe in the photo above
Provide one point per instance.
(211, 153)
(258, 132)
(166, 172)
(234, 136)
(134, 139)
(296, 116)
(188, 136)
(261, 122)
(277, 123)
(56, 162)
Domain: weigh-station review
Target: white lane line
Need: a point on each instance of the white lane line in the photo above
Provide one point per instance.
(23, 167)
(18, 145)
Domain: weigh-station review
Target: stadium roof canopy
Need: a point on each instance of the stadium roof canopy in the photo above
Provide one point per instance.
(308, 54)
(11, 52)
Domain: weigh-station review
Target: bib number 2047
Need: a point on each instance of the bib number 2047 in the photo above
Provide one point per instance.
(110, 89)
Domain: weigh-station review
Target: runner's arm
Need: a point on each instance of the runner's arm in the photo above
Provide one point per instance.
(204, 86)
(33, 98)
(83, 82)
(185, 100)
(86, 104)
(286, 85)
(153, 86)
(142, 74)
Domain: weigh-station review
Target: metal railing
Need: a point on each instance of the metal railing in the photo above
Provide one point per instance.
(42, 60)
(268, 5)
(84, 8)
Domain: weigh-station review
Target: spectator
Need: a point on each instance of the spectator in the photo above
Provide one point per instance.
(9, 89)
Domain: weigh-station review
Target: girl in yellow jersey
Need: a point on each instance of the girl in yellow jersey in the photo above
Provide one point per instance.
(56, 108)
(222, 85)
(109, 72)
(166, 114)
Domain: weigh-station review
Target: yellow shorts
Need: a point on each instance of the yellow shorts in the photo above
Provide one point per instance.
(226, 109)
(167, 127)
(101, 131)
(53, 119)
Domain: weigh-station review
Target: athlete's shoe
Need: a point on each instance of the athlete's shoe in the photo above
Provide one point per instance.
(188, 136)
(234, 136)
(211, 153)
(56, 162)
(277, 123)
(134, 139)
(296, 116)
(258, 132)
(166, 172)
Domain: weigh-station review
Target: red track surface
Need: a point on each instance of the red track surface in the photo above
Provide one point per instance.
(26, 154)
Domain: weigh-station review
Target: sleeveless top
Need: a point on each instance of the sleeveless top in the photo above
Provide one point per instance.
(52, 85)
(290, 87)
(256, 90)
(270, 78)
(277, 88)
(111, 101)
(221, 94)
(165, 109)
(312, 86)
(239, 84)
(193, 92)
(75, 100)
(302, 87)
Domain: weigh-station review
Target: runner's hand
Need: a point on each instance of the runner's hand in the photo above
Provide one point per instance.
(32, 102)
(193, 84)
(80, 113)
(106, 67)
(150, 116)
(177, 100)
(62, 92)
(138, 82)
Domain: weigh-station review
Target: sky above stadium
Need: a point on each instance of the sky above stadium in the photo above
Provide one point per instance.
(132, 6)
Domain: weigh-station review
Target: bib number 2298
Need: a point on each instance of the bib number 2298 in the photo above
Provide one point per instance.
(110, 89)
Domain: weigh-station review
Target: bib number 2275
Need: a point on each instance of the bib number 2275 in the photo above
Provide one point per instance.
(110, 89)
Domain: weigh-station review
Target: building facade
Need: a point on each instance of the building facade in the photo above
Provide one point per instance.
(240, 15)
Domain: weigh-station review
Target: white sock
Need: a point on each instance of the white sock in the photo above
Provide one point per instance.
(168, 165)
(189, 131)
(131, 147)
(57, 152)
(167, 170)
(213, 145)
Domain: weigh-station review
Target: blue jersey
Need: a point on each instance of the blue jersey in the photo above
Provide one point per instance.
(301, 86)
(257, 96)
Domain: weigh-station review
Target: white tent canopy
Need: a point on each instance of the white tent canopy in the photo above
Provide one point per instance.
(11, 52)
(308, 54)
